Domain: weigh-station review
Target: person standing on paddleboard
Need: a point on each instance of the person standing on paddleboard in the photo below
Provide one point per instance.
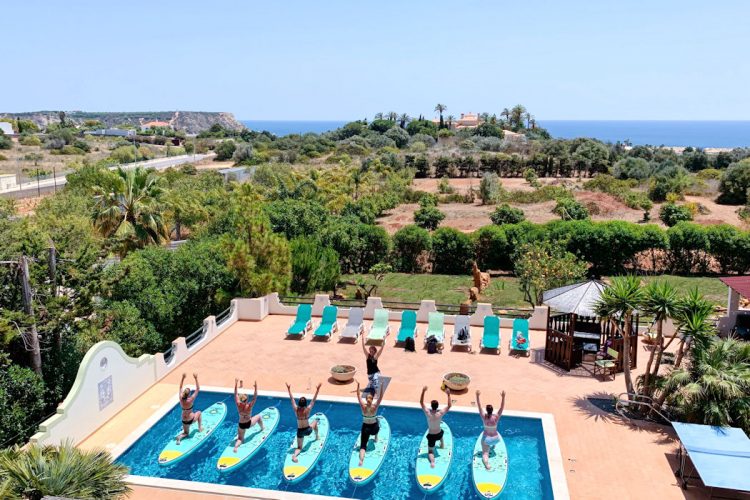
(302, 412)
(245, 410)
(373, 372)
(370, 424)
(434, 419)
(490, 436)
(187, 402)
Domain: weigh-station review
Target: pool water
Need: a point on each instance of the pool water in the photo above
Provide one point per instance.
(528, 475)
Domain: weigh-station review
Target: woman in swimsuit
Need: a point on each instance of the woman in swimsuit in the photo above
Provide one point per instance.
(373, 372)
(186, 403)
(302, 412)
(245, 410)
(490, 436)
(434, 419)
(370, 424)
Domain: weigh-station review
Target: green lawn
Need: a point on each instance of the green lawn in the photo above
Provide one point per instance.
(503, 292)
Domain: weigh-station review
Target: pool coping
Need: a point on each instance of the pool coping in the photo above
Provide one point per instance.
(551, 442)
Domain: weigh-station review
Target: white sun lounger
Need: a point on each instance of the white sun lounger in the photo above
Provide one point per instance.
(355, 325)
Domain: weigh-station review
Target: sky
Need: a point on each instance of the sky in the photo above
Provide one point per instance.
(341, 60)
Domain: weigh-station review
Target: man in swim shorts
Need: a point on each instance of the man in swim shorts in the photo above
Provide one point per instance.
(434, 419)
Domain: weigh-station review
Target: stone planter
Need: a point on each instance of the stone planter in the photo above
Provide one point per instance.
(343, 373)
(456, 381)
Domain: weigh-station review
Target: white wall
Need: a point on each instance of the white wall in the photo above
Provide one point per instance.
(107, 381)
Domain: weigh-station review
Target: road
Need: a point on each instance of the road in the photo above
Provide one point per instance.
(33, 188)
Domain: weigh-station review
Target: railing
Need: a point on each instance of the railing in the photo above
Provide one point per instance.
(397, 305)
(623, 404)
(169, 354)
(223, 316)
(194, 337)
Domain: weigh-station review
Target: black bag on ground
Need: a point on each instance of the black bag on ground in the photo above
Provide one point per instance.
(463, 334)
(432, 345)
(409, 344)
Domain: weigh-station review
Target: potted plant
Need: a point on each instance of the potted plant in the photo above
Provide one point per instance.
(343, 373)
(456, 381)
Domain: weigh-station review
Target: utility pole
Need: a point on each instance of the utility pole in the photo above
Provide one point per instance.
(52, 265)
(34, 349)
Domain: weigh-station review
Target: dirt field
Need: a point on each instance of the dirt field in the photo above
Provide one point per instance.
(469, 217)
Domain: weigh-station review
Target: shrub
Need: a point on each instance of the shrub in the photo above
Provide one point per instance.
(688, 248)
(409, 244)
(22, 399)
(671, 214)
(428, 217)
(382, 126)
(632, 168)
(30, 140)
(487, 129)
(444, 186)
(452, 251)
(489, 189)
(492, 248)
(243, 154)
(123, 154)
(427, 140)
(505, 214)
(730, 247)
(3, 157)
(490, 144)
(709, 174)
(398, 135)
(543, 265)
(530, 176)
(570, 209)
(735, 183)
(225, 150)
(467, 145)
(5, 142)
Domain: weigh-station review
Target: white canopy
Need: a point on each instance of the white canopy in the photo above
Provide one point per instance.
(579, 298)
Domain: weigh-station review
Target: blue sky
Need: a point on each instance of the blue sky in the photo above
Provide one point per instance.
(571, 59)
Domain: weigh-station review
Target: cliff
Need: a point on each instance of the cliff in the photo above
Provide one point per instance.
(191, 122)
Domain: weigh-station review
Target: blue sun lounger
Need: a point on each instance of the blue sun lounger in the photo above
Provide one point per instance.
(491, 334)
(302, 323)
(328, 324)
(520, 340)
(408, 327)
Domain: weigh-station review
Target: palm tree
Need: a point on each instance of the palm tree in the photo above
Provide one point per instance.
(392, 116)
(378, 116)
(617, 304)
(451, 118)
(60, 471)
(505, 113)
(715, 388)
(485, 117)
(440, 108)
(403, 120)
(659, 301)
(517, 113)
(131, 213)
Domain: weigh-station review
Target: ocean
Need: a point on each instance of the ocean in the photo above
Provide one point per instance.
(702, 134)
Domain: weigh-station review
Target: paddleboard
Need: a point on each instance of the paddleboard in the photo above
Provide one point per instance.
(212, 418)
(490, 483)
(311, 451)
(430, 479)
(254, 439)
(374, 455)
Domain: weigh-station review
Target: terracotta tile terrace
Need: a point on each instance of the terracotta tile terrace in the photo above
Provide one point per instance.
(603, 455)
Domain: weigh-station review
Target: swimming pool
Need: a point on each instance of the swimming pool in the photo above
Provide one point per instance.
(528, 477)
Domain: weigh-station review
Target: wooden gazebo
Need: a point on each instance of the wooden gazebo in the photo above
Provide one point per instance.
(576, 334)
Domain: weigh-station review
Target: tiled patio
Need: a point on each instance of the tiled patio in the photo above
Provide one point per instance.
(603, 456)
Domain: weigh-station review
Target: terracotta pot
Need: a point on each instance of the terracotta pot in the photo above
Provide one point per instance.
(343, 376)
(454, 386)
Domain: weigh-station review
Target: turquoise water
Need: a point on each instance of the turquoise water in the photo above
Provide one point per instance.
(528, 476)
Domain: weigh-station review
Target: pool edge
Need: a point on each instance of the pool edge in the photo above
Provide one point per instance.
(558, 481)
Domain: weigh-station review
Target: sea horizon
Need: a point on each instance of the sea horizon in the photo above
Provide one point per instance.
(672, 133)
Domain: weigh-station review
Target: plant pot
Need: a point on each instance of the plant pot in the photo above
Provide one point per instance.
(343, 373)
(449, 379)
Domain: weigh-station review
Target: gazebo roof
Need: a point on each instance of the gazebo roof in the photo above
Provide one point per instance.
(579, 298)
(740, 284)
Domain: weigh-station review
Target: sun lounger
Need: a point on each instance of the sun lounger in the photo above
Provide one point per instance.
(491, 333)
(355, 325)
(520, 340)
(380, 327)
(328, 322)
(302, 323)
(435, 327)
(461, 339)
(408, 326)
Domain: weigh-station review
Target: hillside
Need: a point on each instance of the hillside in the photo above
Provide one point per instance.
(191, 122)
